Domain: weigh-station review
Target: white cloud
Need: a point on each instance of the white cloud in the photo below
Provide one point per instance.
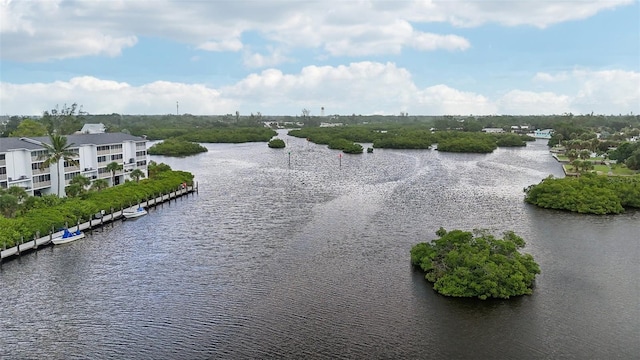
(519, 102)
(45, 30)
(548, 78)
(607, 91)
(256, 60)
(360, 88)
(99, 96)
(442, 99)
(424, 41)
(224, 45)
(539, 13)
(602, 91)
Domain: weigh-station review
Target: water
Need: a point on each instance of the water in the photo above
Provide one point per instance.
(311, 260)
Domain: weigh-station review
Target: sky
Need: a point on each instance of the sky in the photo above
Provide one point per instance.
(423, 57)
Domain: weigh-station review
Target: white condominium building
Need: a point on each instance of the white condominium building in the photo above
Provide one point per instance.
(21, 160)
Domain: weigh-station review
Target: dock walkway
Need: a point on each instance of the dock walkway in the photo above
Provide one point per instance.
(36, 243)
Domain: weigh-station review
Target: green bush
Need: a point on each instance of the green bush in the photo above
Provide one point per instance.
(276, 143)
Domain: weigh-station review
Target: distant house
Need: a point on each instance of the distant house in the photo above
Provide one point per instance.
(543, 134)
(93, 129)
(493, 130)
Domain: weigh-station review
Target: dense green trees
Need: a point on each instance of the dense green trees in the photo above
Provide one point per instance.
(627, 153)
(588, 193)
(227, 135)
(276, 143)
(29, 128)
(510, 140)
(465, 264)
(346, 146)
(468, 143)
(64, 121)
(392, 136)
(176, 147)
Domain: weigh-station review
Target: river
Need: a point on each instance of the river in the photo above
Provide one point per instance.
(298, 253)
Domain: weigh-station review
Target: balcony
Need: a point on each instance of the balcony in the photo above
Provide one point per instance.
(20, 180)
(39, 171)
(42, 184)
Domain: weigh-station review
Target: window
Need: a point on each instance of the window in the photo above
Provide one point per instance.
(116, 157)
(36, 166)
(70, 176)
(41, 178)
(102, 159)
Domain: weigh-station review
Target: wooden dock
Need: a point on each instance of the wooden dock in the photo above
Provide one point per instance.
(36, 243)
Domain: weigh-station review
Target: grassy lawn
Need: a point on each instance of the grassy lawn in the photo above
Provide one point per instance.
(619, 169)
(603, 169)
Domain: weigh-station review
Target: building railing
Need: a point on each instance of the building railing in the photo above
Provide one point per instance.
(42, 184)
(39, 171)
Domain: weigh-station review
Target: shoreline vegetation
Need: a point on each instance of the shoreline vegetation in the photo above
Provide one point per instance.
(476, 264)
(586, 194)
(42, 214)
(347, 138)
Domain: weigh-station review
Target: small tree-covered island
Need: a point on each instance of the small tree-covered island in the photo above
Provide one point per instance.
(176, 147)
(476, 264)
(276, 143)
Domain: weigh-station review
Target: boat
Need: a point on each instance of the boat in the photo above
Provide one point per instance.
(131, 214)
(67, 237)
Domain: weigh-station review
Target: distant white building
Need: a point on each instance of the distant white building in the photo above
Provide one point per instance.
(493, 130)
(21, 159)
(543, 134)
(98, 128)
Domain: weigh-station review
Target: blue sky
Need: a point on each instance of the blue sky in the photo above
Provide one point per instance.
(348, 56)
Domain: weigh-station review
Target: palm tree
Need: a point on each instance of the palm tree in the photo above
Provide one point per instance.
(136, 174)
(56, 151)
(77, 185)
(99, 184)
(113, 167)
(19, 192)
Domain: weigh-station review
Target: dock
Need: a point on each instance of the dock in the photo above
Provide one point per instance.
(41, 242)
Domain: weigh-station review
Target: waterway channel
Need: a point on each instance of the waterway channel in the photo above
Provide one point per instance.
(298, 253)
